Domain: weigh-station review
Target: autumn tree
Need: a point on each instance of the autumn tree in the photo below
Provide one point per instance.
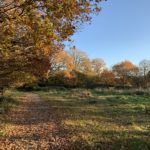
(144, 67)
(61, 61)
(107, 78)
(123, 71)
(80, 60)
(61, 66)
(98, 65)
(32, 30)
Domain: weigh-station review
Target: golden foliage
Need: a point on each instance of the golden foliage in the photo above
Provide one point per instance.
(33, 30)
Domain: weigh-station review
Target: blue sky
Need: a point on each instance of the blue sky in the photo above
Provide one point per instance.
(120, 32)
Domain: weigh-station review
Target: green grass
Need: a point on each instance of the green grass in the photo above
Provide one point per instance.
(8, 101)
(101, 120)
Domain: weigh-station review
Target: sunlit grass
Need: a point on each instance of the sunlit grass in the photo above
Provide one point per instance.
(105, 121)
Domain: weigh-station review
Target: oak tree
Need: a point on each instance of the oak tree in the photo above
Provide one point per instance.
(33, 30)
(124, 70)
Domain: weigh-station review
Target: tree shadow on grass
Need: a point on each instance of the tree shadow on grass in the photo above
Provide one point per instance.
(32, 113)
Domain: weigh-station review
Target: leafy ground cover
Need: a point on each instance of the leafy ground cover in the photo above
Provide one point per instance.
(103, 120)
(8, 101)
(77, 119)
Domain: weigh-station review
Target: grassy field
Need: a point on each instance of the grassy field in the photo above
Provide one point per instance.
(10, 100)
(93, 119)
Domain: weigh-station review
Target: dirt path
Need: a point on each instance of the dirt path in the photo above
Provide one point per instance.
(31, 125)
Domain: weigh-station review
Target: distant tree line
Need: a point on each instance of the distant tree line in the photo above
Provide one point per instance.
(73, 68)
(32, 48)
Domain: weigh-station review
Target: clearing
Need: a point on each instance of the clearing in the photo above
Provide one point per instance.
(74, 119)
